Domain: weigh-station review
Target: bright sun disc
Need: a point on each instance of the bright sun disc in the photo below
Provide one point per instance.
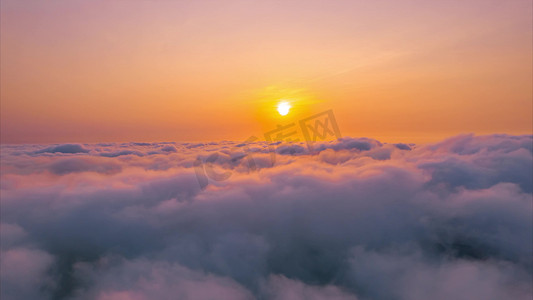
(283, 108)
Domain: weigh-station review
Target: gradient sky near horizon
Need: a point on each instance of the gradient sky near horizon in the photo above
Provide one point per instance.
(410, 71)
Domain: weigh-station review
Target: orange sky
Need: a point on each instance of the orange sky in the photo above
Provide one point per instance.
(411, 71)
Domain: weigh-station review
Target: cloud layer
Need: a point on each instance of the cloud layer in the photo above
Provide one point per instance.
(352, 219)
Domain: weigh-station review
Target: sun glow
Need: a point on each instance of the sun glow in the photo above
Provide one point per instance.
(283, 108)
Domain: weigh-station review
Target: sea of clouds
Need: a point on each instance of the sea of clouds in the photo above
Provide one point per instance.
(352, 219)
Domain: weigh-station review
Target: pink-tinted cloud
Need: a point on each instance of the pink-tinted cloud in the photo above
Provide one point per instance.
(353, 219)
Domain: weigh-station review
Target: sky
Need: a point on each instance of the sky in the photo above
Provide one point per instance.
(134, 163)
(409, 70)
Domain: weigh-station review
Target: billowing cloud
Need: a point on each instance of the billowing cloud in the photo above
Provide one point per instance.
(65, 148)
(349, 219)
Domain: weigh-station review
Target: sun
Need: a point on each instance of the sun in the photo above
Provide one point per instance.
(283, 108)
